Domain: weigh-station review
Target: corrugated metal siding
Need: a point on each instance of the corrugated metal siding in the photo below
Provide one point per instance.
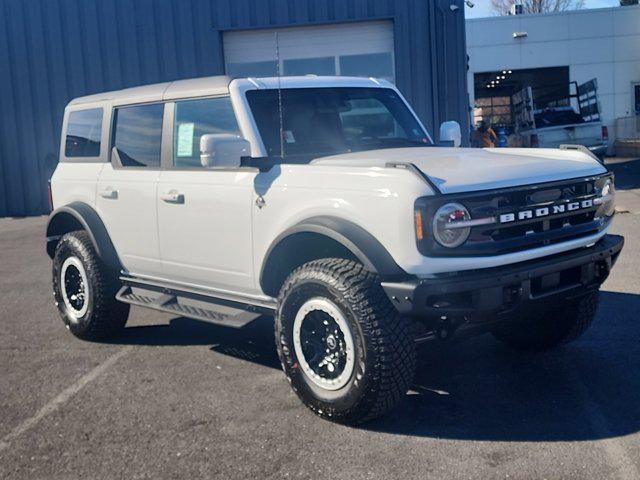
(54, 50)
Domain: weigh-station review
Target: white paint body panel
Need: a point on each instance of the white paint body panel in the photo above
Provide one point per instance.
(131, 217)
(458, 170)
(380, 200)
(75, 182)
(206, 240)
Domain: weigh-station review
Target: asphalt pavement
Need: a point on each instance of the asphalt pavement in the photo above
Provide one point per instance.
(179, 398)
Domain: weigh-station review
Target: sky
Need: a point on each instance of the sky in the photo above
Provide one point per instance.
(482, 8)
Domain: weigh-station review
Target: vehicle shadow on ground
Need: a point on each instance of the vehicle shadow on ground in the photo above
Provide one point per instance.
(480, 389)
(254, 342)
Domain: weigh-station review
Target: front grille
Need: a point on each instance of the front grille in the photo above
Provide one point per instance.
(501, 238)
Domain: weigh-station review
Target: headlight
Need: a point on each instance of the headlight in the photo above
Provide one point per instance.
(445, 230)
(606, 199)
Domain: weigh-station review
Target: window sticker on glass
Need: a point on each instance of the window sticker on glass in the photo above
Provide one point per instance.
(288, 136)
(185, 140)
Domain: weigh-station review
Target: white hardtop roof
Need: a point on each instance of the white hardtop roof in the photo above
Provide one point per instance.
(219, 85)
(309, 81)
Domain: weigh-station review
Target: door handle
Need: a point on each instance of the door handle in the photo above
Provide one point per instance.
(109, 192)
(172, 196)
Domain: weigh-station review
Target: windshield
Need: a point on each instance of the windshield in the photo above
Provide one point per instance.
(328, 121)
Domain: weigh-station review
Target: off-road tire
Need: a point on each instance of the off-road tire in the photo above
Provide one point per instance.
(105, 317)
(385, 352)
(549, 327)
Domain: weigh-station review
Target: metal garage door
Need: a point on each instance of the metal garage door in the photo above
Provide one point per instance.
(358, 49)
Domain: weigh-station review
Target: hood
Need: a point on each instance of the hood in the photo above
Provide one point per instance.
(456, 170)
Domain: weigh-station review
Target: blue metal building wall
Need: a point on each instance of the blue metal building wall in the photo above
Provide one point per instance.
(54, 50)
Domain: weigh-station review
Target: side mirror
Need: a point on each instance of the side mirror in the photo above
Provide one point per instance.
(223, 150)
(450, 133)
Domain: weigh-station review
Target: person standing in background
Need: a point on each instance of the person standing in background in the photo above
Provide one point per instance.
(484, 136)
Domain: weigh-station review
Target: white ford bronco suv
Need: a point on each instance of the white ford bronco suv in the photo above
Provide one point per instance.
(323, 202)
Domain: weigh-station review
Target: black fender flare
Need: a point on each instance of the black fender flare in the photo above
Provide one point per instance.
(362, 245)
(86, 217)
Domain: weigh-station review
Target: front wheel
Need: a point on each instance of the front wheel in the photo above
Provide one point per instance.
(550, 326)
(347, 353)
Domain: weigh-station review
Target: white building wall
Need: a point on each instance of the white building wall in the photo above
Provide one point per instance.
(602, 43)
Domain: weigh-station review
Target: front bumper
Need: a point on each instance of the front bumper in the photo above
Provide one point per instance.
(502, 289)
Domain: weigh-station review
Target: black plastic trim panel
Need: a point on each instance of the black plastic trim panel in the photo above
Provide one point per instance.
(497, 289)
(91, 222)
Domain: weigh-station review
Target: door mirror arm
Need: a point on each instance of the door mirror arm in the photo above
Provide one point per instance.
(264, 164)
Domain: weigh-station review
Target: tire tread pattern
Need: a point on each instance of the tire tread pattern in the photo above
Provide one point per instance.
(387, 336)
(108, 316)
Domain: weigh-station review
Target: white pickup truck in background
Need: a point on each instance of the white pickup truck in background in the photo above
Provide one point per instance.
(574, 120)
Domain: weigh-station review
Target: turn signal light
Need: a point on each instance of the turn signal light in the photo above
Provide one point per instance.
(417, 218)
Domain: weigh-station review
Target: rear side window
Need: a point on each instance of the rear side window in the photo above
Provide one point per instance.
(84, 129)
(195, 118)
(138, 135)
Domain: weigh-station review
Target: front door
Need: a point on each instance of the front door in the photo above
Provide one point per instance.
(205, 213)
(126, 196)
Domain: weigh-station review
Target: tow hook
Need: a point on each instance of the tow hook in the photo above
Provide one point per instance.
(446, 328)
(443, 330)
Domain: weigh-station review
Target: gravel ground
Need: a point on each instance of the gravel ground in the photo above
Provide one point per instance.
(179, 398)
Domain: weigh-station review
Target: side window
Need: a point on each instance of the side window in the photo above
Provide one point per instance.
(138, 135)
(195, 118)
(84, 129)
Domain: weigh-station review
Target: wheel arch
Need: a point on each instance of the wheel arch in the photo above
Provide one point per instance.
(323, 237)
(80, 216)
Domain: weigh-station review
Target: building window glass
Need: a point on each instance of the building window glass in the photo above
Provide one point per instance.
(306, 66)
(378, 65)
(253, 69)
(138, 135)
(195, 118)
(493, 110)
(84, 129)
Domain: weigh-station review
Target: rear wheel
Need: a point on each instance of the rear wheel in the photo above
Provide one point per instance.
(85, 289)
(550, 326)
(347, 353)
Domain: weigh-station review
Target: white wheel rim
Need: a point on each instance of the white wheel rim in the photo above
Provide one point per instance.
(74, 290)
(339, 349)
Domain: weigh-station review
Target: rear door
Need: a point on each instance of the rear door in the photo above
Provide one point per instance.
(204, 213)
(126, 193)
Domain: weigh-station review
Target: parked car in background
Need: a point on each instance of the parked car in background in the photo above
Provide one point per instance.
(554, 124)
(563, 126)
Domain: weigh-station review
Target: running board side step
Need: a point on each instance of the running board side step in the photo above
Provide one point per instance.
(221, 309)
